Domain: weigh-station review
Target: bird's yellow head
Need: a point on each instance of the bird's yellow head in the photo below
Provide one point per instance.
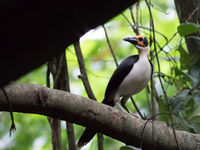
(139, 41)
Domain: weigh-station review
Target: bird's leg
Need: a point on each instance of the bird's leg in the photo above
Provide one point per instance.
(120, 107)
(123, 102)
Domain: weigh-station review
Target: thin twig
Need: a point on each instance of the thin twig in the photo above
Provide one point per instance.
(71, 136)
(83, 75)
(87, 84)
(190, 16)
(137, 109)
(12, 127)
(161, 49)
(132, 16)
(100, 141)
(148, 100)
(55, 67)
(108, 41)
(163, 113)
(58, 68)
(142, 27)
(132, 26)
(58, 71)
(69, 126)
(137, 20)
(135, 28)
(153, 90)
(48, 76)
(162, 86)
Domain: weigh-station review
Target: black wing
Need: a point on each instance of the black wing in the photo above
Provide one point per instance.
(119, 74)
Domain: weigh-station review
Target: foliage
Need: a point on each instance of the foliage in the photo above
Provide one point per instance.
(180, 74)
(188, 28)
(185, 104)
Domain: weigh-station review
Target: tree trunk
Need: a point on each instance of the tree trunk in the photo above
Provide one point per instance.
(59, 70)
(185, 10)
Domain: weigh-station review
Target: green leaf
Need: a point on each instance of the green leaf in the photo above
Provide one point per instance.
(188, 28)
(190, 107)
(163, 107)
(185, 58)
(195, 120)
(179, 83)
(179, 102)
(186, 125)
(179, 72)
(184, 76)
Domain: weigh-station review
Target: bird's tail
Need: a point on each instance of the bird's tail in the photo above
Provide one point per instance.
(87, 135)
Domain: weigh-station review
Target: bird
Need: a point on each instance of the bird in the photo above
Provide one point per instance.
(130, 77)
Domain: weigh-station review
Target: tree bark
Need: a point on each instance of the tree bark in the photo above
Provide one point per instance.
(58, 67)
(184, 10)
(30, 98)
(69, 126)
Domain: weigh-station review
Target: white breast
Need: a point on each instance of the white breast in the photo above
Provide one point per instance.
(137, 79)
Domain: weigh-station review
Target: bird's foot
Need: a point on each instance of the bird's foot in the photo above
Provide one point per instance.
(133, 114)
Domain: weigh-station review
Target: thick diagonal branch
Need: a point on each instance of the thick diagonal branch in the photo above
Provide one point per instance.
(29, 98)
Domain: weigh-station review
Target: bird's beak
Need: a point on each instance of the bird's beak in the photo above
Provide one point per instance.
(132, 40)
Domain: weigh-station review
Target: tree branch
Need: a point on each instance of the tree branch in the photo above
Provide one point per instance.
(30, 98)
(12, 127)
(59, 70)
(69, 126)
(83, 74)
(86, 83)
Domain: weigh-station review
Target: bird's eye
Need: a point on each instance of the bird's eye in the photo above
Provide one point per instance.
(140, 39)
